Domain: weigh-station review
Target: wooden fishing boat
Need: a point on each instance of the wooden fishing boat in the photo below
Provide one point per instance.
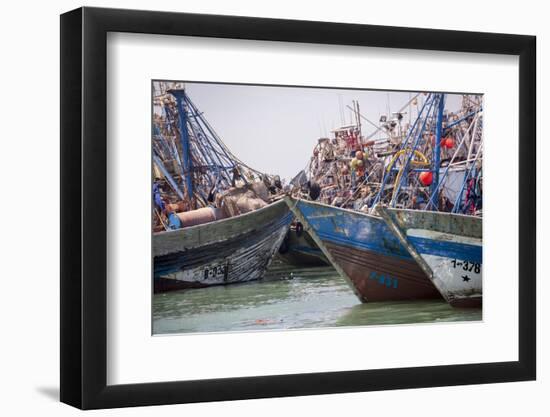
(235, 249)
(365, 252)
(448, 247)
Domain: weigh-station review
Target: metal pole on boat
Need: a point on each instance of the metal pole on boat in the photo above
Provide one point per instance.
(437, 148)
(179, 94)
(410, 135)
(450, 164)
(169, 178)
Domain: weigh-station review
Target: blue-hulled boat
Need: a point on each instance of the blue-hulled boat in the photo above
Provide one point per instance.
(365, 252)
(448, 247)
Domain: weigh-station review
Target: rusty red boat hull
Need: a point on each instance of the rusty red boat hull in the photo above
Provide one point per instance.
(365, 252)
(377, 277)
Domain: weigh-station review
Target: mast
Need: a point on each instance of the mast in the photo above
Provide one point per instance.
(179, 94)
(437, 149)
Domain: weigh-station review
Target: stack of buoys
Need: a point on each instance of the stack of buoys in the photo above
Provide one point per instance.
(358, 163)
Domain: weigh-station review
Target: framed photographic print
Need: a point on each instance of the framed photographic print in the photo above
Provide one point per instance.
(257, 208)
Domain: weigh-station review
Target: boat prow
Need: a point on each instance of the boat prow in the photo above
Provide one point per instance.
(365, 252)
(447, 246)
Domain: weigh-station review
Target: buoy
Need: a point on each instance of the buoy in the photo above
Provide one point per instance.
(359, 155)
(426, 178)
(449, 143)
(446, 143)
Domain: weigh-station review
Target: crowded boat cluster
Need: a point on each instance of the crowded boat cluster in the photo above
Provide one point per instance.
(394, 165)
(397, 210)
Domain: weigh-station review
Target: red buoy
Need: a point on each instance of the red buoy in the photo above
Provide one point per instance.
(426, 178)
(449, 143)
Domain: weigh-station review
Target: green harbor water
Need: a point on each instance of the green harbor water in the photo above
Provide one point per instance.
(289, 298)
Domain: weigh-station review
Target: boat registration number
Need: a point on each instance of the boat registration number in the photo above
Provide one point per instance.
(216, 271)
(385, 280)
(467, 266)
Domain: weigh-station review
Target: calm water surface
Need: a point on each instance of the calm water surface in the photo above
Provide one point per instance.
(289, 298)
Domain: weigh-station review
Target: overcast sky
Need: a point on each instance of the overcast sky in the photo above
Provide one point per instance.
(274, 129)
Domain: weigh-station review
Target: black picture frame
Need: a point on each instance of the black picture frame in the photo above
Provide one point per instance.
(84, 207)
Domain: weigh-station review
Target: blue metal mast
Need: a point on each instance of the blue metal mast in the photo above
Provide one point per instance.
(419, 135)
(184, 138)
(437, 149)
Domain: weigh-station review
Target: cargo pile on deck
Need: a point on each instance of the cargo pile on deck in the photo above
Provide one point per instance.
(405, 164)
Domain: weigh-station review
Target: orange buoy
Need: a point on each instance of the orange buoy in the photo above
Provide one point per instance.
(359, 155)
(426, 178)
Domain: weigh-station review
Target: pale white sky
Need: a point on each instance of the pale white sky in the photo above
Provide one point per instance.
(274, 129)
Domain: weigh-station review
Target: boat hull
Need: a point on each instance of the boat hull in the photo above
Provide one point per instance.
(448, 247)
(365, 252)
(237, 249)
(299, 249)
